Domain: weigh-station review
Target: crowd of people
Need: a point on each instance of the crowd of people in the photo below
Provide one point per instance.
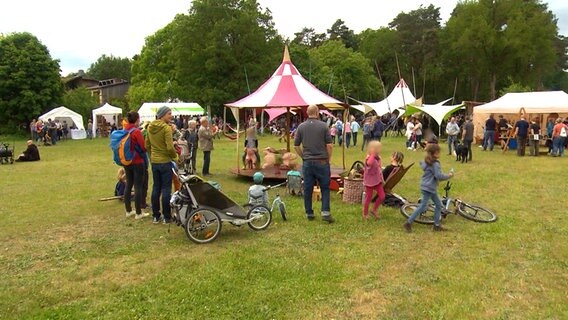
(49, 132)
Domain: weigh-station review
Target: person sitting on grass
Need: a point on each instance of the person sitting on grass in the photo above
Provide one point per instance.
(30, 154)
(120, 184)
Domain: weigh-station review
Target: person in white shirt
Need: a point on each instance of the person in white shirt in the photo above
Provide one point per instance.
(409, 133)
(452, 129)
(354, 130)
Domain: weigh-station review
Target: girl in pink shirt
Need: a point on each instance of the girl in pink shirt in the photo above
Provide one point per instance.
(373, 179)
(333, 133)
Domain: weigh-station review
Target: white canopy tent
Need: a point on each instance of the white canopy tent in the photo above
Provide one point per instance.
(148, 110)
(544, 104)
(399, 97)
(64, 114)
(439, 112)
(108, 111)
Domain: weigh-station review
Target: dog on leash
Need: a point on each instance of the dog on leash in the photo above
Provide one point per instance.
(461, 152)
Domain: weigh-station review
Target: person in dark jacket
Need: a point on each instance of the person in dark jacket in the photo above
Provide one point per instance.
(378, 128)
(30, 154)
(192, 139)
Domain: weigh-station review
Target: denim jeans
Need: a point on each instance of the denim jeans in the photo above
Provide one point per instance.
(316, 171)
(206, 162)
(426, 196)
(558, 146)
(162, 174)
(489, 139)
(452, 143)
(347, 139)
(354, 135)
(134, 178)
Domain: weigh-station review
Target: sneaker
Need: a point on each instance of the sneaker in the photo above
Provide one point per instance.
(407, 226)
(328, 219)
(142, 215)
(156, 220)
(439, 228)
(311, 218)
(167, 221)
(130, 214)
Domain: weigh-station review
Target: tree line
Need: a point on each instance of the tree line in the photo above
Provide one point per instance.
(221, 50)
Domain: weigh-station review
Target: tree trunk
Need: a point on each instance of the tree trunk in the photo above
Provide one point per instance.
(493, 84)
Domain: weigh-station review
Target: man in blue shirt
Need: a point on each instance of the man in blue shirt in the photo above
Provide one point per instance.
(521, 132)
(354, 130)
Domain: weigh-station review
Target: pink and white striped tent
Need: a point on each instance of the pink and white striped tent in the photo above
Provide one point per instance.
(287, 88)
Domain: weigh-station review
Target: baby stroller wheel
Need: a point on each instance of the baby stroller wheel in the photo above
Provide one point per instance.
(262, 217)
(282, 208)
(203, 226)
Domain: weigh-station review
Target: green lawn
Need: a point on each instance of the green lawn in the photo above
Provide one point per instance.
(66, 255)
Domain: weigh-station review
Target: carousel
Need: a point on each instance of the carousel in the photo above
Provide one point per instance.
(286, 92)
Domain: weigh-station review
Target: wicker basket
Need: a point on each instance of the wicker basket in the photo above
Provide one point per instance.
(353, 190)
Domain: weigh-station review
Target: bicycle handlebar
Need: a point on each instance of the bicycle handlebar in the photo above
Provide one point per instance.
(275, 186)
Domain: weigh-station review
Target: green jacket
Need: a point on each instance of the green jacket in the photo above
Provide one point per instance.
(159, 142)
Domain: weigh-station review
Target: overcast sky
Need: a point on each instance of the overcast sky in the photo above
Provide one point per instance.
(78, 32)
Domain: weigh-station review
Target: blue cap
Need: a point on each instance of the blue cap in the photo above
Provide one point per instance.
(257, 177)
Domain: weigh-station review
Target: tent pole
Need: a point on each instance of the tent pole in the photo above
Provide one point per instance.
(238, 130)
(345, 115)
(400, 76)
(288, 129)
(224, 119)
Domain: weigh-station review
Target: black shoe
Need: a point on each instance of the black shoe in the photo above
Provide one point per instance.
(328, 219)
(311, 218)
(439, 228)
(407, 226)
(167, 221)
(156, 220)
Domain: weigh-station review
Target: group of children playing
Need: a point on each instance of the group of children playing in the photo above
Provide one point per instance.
(374, 179)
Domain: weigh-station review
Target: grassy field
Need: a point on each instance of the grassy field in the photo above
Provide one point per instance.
(65, 255)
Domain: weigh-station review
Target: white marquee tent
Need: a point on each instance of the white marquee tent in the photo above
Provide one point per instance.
(64, 114)
(148, 110)
(542, 104)
(108, 111)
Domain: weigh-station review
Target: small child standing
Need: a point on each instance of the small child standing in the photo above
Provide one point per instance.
(333, 133)
(373, 179)
(428, 186)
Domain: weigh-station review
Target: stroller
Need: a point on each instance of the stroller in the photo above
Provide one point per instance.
(201, 209)
(6, 153)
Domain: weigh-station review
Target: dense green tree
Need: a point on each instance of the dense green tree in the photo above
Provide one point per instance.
(380, 46)
(81, 101)
(339, 31)
(211, 52)
(488, 41)
(344, 73)
(109, 67)
(30, 82)
(418, 52)
(309, 37)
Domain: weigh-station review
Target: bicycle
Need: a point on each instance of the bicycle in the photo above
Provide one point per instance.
(258, 206)
(469, 211)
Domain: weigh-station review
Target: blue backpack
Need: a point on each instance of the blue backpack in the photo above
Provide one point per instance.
(120, 143)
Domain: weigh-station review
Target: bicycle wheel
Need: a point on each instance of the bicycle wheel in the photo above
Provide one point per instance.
(261, 217)
(427, 217)
(476, 213)
(282, 208)
(203, 226)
